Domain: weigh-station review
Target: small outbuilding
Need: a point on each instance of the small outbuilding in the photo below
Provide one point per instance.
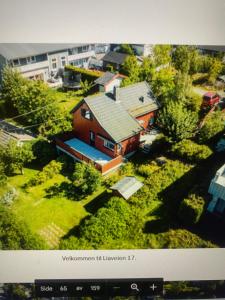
(10, 132)
(108, 81)
(127, 186)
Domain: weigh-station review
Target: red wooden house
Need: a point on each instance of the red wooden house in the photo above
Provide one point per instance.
(107, 126)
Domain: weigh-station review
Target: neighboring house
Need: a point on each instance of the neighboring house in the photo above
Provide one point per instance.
(10, 132)
(107, 127)
(114, 59)
(142, 49)
(217, 190)
(44, 61)
(126, 187)
(108, 81)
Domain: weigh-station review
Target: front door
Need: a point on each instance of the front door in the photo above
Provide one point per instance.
(92, 138)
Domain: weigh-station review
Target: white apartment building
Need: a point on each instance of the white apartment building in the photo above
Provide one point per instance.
(44, 61)
(217, 190)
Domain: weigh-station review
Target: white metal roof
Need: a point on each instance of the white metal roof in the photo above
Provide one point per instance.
(127, 186)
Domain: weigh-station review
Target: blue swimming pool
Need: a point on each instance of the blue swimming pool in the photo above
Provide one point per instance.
(88, 151)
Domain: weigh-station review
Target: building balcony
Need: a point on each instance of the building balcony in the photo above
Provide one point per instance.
(81, 151)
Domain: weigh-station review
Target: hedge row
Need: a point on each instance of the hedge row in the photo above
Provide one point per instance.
(191, 151)
(88, 75)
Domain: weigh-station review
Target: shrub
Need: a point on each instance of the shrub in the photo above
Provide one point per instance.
(48, 172)
(191, 151)
(212, 126)
(43, 150)
(88, 75)
(127, 169)
(86, 178)
(9, 196)
(182, 238)
(111, 180)
(147, 170)
(191, 209)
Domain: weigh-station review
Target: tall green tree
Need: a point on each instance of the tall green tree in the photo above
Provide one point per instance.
(195, 61)
(182, 86)
(33, 100)
(177, 122)
(181, 58)
(86, 178)
(162, 84)
(126, 48)
(215, 68)
(15, 235)
(131, 68)
(162, 54)
(14, 157)
(13, 88)
(147, 69)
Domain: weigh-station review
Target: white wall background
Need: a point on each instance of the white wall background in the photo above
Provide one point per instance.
(143, 21)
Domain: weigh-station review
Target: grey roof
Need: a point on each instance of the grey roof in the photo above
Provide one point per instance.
(105, 78)
(9, 131)
(130, 97)
(115, 57)
(118, 117)
(19, 50)
(113, 117)
(217, 48)
(127, 186)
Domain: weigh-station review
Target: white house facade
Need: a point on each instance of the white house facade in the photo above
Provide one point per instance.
(217, 190)
(43, 61)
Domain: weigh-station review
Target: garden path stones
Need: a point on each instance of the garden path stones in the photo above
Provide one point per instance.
(52, 234)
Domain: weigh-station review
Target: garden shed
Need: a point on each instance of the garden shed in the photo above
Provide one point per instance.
(127, 186)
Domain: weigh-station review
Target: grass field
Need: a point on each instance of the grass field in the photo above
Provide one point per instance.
(45, 215)
(66, 100)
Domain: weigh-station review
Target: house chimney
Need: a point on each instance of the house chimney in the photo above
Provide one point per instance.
(116, 94)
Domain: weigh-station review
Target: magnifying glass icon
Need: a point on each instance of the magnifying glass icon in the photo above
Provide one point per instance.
(134, 287)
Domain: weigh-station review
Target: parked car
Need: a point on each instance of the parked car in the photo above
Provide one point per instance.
(210, 99)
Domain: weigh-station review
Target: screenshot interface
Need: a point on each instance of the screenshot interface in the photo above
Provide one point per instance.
(112, 166)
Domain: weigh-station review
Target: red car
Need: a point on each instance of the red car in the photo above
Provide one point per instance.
(210, 99)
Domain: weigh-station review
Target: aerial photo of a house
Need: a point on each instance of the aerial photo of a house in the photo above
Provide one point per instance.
(107, 127)
(111, 146)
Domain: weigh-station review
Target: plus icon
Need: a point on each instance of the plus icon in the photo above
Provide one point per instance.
(153, 287)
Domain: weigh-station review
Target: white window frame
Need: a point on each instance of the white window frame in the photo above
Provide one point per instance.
(63, 61)
(54, 62)
(107, 143)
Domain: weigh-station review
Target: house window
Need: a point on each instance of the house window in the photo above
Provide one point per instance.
(109, 145)
(63, 61)
(54, 63)
(83, 49)
(31, 59)
(23, 61)
(151, 121)
(86, 114)
(16, 62)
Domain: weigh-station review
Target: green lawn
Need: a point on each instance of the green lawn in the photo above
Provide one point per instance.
(66, 100)
(54, 216)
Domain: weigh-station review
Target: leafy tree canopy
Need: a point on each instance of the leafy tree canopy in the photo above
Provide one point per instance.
(86, 178)
(126, 48)
(14, 234)
(14, 157)
(177, 122)
(181, 58)
(162, 54)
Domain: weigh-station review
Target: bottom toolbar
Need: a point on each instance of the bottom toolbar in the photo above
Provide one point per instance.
(99, 287)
